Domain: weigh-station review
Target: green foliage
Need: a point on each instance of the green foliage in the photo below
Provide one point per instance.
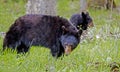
(9, 11)
(94, 54)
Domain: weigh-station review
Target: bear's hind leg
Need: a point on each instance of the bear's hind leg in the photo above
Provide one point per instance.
(22, 48)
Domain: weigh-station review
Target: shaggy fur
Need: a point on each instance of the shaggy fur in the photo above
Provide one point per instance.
(82, 21)
(34, 29)
(69, 40)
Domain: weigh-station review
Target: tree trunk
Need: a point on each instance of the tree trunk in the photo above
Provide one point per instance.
(107, 4)
(47, 7)
(83, 5)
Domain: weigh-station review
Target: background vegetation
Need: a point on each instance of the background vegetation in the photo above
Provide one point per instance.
(98, 52)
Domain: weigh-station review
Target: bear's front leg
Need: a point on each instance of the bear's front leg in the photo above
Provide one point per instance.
(55, 51)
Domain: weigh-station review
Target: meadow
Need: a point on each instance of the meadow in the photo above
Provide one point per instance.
(98, 52)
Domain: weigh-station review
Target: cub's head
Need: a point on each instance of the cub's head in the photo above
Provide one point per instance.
(86, 21)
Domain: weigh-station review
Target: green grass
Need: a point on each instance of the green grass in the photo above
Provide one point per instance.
(92, 55)
(9, 11)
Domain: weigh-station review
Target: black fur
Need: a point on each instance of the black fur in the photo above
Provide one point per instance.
(34, 29)
(81, 21)
(69, 39)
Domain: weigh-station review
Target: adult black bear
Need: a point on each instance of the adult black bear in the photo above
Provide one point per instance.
(34, 29)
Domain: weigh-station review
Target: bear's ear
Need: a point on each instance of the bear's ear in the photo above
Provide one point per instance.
(63, 27)
(87, 13)
(64, 30)
(83, 15)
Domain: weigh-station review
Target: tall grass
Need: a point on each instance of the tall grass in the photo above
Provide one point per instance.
(94, 54)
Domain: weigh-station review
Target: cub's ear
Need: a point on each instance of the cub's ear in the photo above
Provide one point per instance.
(83, 15)
(63, 27)
(87, 13)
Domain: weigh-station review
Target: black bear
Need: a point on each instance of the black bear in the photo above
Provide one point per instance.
(34, 29)
(82, 20)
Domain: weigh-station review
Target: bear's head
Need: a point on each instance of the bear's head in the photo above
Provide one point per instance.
(69, 42)
(86, 21)
(82, 20)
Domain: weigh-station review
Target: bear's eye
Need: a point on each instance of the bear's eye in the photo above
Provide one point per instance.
(78, 26)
